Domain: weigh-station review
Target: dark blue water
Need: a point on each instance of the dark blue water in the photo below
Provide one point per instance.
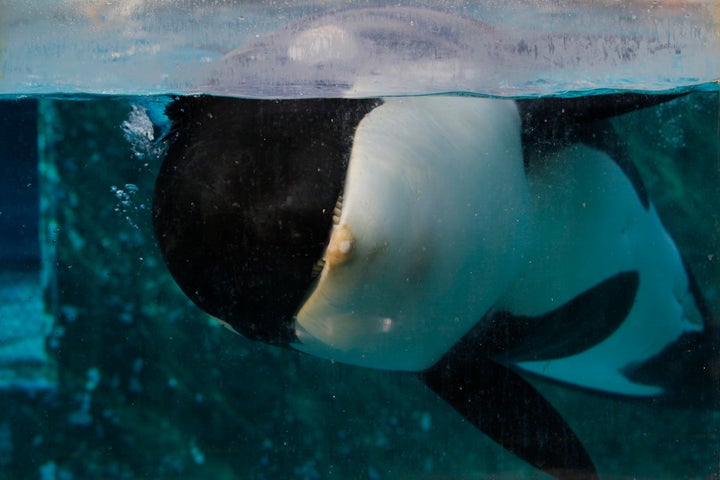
(108, 371)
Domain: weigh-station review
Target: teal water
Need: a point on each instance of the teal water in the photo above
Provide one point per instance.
(121, 376)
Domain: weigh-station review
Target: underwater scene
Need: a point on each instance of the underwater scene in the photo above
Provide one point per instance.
(110, 371)
(419, 241)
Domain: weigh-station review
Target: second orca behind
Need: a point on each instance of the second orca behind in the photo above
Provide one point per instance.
(470, 240)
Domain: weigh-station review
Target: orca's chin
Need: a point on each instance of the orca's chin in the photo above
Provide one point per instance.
(244, 200)
(405, 275)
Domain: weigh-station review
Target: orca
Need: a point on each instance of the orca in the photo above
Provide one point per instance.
(475, 242)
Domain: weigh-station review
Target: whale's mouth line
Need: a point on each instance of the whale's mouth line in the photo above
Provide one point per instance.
(337, 211)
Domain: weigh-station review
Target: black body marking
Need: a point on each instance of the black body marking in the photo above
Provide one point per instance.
(572, 328)
(556, 118)
(505, 407)
(552, 123)
(688, 370)
(243, 202)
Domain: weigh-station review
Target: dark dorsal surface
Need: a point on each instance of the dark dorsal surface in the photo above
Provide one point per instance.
(550, 123)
